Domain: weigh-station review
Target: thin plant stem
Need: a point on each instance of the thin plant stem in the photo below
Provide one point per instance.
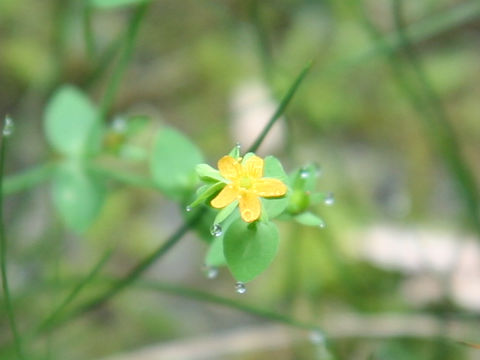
(3, 260)
(121, 66)
(55, 314)
(445, 138)
(135, 273)
(203, 296)
(281, 108)
(27, 179)
(88, 34)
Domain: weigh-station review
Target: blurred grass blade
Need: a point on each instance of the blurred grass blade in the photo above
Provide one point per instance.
(47, 323)
(440, 125)
(281, 108)
(3, 254)
(27, 179)
(419, 31)
(128, 46)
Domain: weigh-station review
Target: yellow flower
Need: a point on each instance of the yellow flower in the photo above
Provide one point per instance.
(246, 184)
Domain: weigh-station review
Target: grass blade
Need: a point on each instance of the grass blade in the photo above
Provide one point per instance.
(3, 255)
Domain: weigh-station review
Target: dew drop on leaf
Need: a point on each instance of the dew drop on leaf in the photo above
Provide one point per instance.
(216, 230)
(304, 173)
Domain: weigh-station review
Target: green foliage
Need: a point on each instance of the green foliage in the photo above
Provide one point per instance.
(108, 4)
(77, 195)
(250, 248)
(71, 123)
(173, 161)
(274, 169)
(309, 219)
(207, 173)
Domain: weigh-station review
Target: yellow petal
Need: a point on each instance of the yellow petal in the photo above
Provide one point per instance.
(229, 168)
(268, 187)
(228, 194)
(250, 206)
(254, 167)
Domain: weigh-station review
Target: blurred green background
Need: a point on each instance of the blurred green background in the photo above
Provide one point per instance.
(389, 111)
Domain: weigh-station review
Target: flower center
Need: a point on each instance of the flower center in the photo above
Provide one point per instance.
(245, 182)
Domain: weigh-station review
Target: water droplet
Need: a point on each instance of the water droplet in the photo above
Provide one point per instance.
(119, 124)
(316, 337)
(318, 170)
(238, 146)
(240, 288)
(8, 126)
(304, 174)
(188, 208)
(211, 272)
(322, 224)
(329, 199)
(216, 230)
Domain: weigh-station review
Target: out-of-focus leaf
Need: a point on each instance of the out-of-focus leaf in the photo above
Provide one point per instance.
(71, 123)
(77, 195)
(173, 162)
(309, 219)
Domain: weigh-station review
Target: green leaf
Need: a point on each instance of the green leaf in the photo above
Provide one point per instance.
(173, 162)
(208, 173)
(77, 195)
(207, 193)
(309, 219)
(215, 255)
(107, 4)
(249, 248)
(274, 169)
(225, 212)
(235, 152)
(71, 123)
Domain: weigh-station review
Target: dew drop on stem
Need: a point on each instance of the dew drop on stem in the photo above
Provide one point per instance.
(316, 337)
(8, 126)
(240, 288)
(188, 208)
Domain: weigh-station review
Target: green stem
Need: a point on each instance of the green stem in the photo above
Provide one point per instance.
(88, 34)
(135, 273)
(123, 177)
(439, 126)
(75, 291)
(129, 42)
(229, 303)
(27, 179)
(3, 259)
(281, 108)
